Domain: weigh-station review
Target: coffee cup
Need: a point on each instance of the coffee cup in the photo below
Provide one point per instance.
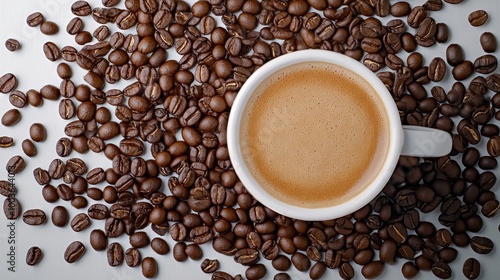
(315, 135)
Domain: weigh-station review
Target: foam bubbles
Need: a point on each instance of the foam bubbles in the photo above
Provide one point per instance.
(319, 133)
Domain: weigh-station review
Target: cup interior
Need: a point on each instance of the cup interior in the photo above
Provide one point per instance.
(333, 211)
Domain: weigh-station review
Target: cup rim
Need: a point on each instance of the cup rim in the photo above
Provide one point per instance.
(333, 211)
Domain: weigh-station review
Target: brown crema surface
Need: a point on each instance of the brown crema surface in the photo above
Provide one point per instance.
(314, 134)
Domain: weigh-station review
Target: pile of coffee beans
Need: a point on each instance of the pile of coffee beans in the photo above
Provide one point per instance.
(178, 110)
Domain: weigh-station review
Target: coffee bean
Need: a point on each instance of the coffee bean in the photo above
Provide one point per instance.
(6, 141)
(12, 44)
(18, 99)
(478, 18)
(60, 216)
(300, 261)
(74, 251)
(132, 257)
(35, 19)
(397, 232)
(441, 270)
(8, 82)
(194, 252)
(493, 146)
(49, 28)
(149, 267)
(485, 64)
(481, 245)
(38, 132)
(98, 240)
(247, 256)
(388, 251)
(488, 42)
(400, 9)
(81, 8)
(80, 222)
(454, 54)
(437, 69)
(15, 165)
(7, 188)
(115, 254)
(210, 266)
(409, 270)
(12, 208)
(256, 271)
(34, 256)
(373, 269)
(471, 268)
(34, 217)
(346, 271)
(11, 117)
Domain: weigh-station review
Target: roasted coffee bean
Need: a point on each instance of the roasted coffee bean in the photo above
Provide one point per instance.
(49, 28)
(11, 117)
(35, 19)
(51, 51)
(98, 240)
(485, 64)
(481, 245)
(409, 270)
(397, 232)
(454, 54)
(132, 257)
(64, 147)
(34, 217)
(209, 266)
(149, 267)
(400, 9)
(34, 256)
(471, 268)
(441, 270)
(18, 99)
(300, 261)
(490, 208)
(60, 216)
(8, 82)
(15, 165)
(373, 269)
(38, 132)
(346, 271)
(193, 251)
(488, 42)
(57, 169)
(29, 148)
(12, 208)
(80, 222)
(478, 18)
(160, 246)
(437, 69)
(493, 146)
(12, 44)
(388, 251)
(7, 188)
(6, 141)
(115, 254)
(74, 26)
(81, 8)
(74, 251)
(247, 256)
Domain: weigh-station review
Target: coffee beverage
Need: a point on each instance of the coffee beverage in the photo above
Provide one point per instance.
(301, 120)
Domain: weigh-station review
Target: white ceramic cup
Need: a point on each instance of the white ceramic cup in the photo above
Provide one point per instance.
(405, 140)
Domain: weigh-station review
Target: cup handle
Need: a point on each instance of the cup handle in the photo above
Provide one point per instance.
(425, 142)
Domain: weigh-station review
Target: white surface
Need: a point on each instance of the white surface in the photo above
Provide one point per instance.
(34, 71)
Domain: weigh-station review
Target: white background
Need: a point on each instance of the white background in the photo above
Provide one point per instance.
(34, 71)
